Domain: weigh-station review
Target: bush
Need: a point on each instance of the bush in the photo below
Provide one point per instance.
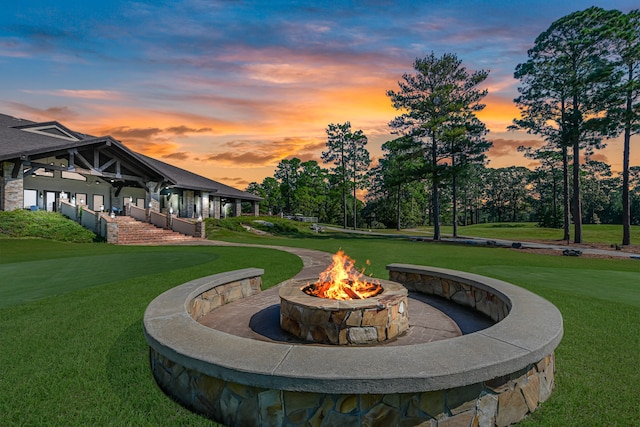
(272, 225)
(212, 223)
(43, 224)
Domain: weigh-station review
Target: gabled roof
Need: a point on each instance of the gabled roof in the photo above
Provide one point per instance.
(189, 180)
(20, 139)
(18, 142)
(54, 129)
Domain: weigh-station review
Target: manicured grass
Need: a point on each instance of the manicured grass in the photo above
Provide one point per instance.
(79, 357)
(591, 233)
(43, 224)
(597, 360)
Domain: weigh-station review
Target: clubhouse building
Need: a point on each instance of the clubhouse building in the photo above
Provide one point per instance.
(44, 166)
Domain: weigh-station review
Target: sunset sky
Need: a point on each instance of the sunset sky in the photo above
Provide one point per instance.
(227, 89)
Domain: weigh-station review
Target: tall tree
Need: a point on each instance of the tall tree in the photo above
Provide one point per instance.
(440, 91)
(546, 182)
(337, 136)
(346, 150)
(269, 190)
(287, 172)
(359, 162)
(402, 158)
(568, 80)
(625, 36)
(465, 136)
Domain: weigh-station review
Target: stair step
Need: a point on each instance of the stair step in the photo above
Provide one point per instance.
(132, 231)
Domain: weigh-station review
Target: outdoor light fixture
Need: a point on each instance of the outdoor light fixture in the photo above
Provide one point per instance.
(130, 199)
(171, 210)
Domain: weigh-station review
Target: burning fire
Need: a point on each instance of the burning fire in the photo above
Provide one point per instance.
(342, 281)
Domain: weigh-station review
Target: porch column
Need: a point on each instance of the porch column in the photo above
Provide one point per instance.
(237, 207)
(189, 200)
(153, 196)
(205, 205)
(215, 201)
(256, 208)
(11, 189)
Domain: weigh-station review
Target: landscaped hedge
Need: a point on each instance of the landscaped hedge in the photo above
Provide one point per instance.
(271, 225)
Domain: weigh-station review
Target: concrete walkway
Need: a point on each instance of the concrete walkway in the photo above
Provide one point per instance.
(470, 240)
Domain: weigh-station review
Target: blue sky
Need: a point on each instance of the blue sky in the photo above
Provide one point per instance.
(228, 88)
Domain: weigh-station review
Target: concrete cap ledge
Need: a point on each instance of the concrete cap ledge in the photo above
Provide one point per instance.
(531, 331)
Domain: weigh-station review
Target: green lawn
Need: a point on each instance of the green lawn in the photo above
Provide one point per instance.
(73, 352)
(591, 233)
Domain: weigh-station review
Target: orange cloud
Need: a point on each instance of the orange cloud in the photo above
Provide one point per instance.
(95, 94)
(181, 155)
(252, 153)
(509, 147)
(61, 114)
(599, 157)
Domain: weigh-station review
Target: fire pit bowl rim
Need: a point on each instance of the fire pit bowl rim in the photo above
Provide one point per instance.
(292, 290)
(531, 331)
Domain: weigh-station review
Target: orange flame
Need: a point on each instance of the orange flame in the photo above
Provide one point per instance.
(342, 281)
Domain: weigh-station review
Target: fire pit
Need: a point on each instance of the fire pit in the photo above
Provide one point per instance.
(343, 307)
(494, 377)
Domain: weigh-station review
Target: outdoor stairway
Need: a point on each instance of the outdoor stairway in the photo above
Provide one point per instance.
(134, 232)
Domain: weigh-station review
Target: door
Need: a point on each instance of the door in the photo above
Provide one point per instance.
(50, 200)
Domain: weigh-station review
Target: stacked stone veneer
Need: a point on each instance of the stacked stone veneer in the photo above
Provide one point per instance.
(466, 381)
(11, 189)
(222, 294)
(498, 402)
(484, 300)
(344, 322)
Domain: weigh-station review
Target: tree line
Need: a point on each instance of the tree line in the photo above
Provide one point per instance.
(578, 88)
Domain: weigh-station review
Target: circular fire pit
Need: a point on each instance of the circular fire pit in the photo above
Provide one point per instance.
(493, 377)
(372, 320)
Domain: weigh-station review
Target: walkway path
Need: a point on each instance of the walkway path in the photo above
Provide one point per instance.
(469, 240)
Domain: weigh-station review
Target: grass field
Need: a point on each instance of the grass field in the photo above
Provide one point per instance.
(73, 353)
(592, 233)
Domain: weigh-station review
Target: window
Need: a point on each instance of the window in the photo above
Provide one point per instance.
(73, 175)
(30, 198)
(98, 201)
(42, 172)
(81, 199)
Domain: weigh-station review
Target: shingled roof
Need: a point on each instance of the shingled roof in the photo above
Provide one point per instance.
(21, 138)
(186, 179)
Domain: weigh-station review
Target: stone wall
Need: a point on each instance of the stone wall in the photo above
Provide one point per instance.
(463, 294)
(499, 402)
(189, 198)
(223, 294)
(251, 383)
(351, 322)
(12, 188)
